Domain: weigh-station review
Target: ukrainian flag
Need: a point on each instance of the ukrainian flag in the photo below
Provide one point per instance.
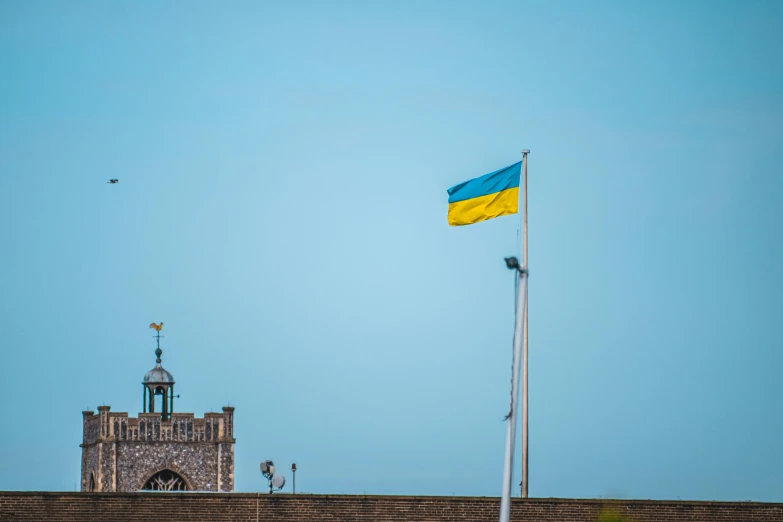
(492, 195)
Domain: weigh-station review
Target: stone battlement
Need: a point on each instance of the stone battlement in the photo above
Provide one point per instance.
(182, 452)
(107, 426)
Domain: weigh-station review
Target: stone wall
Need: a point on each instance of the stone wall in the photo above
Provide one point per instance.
(250, 507)
(226, 473)
(90, 466)
(106, 453)
(195, 462)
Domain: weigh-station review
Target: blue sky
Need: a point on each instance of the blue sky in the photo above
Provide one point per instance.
(282, 208)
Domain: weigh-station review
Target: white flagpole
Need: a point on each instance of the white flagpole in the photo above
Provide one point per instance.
(524, 483)
(520, 333)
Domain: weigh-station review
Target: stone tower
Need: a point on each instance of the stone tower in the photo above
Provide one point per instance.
(158, 451)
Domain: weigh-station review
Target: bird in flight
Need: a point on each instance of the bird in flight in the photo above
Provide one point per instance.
(113, 181)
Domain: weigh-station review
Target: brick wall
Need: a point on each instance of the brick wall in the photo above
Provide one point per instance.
(249, 507)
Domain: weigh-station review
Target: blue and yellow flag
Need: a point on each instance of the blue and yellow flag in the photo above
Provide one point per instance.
(492, 195)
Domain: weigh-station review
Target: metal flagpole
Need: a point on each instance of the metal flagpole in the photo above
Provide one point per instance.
(520, 355)
(524, 483)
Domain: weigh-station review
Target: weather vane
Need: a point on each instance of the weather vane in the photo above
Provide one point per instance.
(158, 327)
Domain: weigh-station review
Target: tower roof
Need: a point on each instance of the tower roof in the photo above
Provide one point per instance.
(158, 375)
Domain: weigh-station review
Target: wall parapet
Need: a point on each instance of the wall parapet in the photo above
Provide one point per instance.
(218, 507)
(106, 426)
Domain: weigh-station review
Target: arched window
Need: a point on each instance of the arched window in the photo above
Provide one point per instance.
(165, 480)
(92, 481)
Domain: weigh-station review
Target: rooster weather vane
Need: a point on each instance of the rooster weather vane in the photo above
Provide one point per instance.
(157, 327)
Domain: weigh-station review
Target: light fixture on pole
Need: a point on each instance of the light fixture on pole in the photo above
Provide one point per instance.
(293, 470)
(512, 263)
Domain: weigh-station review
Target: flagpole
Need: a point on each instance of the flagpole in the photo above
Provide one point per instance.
(524, 483)
(508, 469)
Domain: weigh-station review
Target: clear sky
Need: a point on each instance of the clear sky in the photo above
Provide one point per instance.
(282, 209)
